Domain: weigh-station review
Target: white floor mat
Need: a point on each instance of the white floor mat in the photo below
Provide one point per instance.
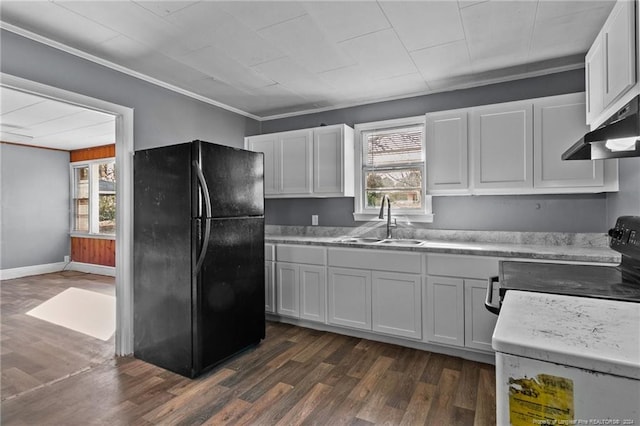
(80, 310)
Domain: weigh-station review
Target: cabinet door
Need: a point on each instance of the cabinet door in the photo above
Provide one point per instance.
(313, 287)
(558, 123)
(447, 159)
(295, 161)
(269, 290)
(350, 298)
(269, 145)
(502, 138)
(444, 305)
(287, 289)
(328, 161)
(594, 76)
(396, 304)
(478, 322)
(619, 51)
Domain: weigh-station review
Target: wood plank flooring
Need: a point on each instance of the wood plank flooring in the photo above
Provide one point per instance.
(296, 376)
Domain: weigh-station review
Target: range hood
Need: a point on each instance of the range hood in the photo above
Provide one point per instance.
(617, 137)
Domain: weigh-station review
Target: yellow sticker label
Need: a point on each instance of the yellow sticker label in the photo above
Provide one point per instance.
(543, 399)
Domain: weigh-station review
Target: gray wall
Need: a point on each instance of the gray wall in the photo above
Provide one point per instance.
(161, 117)
(35, 206)
(542, 213)
(627, 200)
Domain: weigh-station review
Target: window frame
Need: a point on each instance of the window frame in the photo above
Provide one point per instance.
(92, 205)
(361, 212)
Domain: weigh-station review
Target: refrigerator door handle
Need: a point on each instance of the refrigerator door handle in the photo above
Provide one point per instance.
(207, 223)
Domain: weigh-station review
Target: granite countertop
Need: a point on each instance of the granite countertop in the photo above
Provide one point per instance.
(551, 247)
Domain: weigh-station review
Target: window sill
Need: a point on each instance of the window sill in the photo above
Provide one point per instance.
(367, 217)
(94, 236)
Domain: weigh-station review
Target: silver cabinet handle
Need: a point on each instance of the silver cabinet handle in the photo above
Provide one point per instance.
(491, 307)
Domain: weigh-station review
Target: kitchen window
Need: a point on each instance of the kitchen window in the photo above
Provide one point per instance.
(93, 203)
(392, 162)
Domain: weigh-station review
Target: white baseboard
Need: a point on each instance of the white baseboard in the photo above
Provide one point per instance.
(92, 269)
(25, 271)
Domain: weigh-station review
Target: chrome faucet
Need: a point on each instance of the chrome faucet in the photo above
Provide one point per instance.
(381, 215)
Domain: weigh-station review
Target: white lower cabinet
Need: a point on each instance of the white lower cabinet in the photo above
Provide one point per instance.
(287, 278)
(301, 282)
(478, 321)
(396, 304)
(444, 306)
(269, 289)
(313, 289)
(349, 301)
(454, 300)
(269, 279)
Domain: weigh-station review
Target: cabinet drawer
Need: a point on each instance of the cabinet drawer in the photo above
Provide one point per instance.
(301, 254)
(381, 260)
(461, 266)
(268, 252)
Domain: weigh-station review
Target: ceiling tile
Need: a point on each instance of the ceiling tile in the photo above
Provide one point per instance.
(565, 34)
(555, 8)
(380, 54)
(132, 20)
(261, 14)
(93, 135)
(164, 8)
(38, 113)
(216, 64)
(422, 24)
(79, 120)
(445, 60)
(11, 100)
(498, 33)
(336, 19)
(53, 21)
(303, 41)
(292, 76)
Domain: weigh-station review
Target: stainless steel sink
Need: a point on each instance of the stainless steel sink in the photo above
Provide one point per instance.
(359, 240)
(401, 242)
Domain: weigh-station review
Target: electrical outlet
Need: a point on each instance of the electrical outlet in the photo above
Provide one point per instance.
(67, 259)
(314, 219)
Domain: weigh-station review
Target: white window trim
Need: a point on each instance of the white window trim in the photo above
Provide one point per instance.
(81, 234)
(360, 213)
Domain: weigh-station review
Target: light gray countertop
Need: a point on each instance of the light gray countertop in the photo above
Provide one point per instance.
(540, 252)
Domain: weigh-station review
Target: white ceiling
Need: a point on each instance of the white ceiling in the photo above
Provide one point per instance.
(269, 59)
(34, 120)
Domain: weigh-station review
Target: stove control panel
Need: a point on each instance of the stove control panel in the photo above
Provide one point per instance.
(625, 237)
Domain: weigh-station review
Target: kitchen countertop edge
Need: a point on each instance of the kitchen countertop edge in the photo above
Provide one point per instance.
(564, 253)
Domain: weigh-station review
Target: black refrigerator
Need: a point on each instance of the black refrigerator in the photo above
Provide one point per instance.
(198, 255)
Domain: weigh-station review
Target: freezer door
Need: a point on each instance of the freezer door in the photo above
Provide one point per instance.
(233, 179)
(229, 302)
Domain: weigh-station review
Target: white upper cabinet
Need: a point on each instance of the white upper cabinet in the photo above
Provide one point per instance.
(295, 162)
(502, 140)
(610, 64)
(594, 76)
(269, 145)
(447, 152)
(513, 148)
(314, 162)
(619, 46)
(332, 163)
(558, 124)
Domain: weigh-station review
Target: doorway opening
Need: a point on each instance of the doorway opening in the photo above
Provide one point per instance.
(123, 197)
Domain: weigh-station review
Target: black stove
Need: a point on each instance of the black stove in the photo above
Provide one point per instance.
(620, 282)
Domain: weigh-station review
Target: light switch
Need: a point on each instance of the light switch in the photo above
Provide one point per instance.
(314, 219)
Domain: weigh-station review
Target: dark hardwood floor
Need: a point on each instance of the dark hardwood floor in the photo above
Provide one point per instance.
(54, 376)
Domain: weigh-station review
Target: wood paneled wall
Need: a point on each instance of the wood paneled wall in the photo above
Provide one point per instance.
(104, 151)
(97, 251)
